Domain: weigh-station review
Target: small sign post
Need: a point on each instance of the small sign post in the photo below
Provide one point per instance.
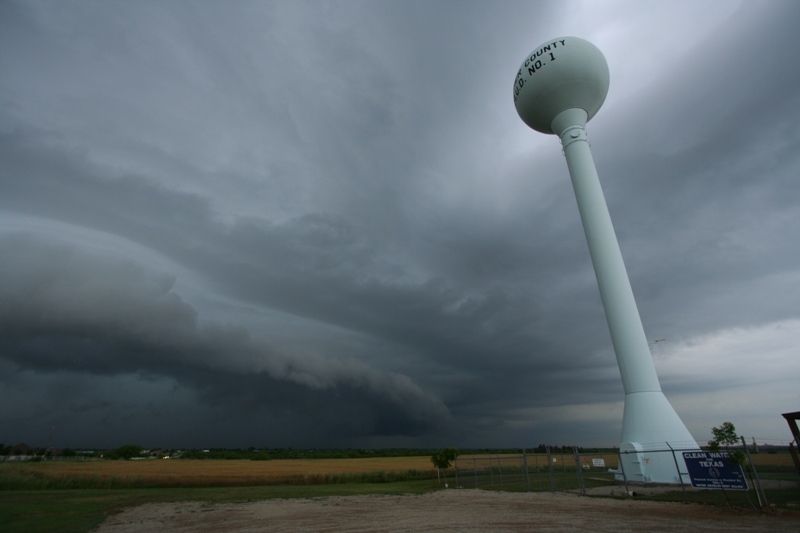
(714, 470)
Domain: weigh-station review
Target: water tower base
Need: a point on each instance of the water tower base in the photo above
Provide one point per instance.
(653, 440)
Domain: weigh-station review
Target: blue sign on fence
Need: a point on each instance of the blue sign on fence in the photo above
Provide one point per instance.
(713, 470)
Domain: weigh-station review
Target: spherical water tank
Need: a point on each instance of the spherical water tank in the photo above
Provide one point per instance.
(562, 73)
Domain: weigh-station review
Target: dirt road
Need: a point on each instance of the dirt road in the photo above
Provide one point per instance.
(455, 510)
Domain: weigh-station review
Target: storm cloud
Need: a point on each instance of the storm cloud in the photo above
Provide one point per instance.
(323, 224)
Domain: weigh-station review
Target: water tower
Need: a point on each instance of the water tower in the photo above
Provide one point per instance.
(558, 89)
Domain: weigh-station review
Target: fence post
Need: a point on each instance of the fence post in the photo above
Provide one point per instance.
(538, 472)
(622, 469)
(680, 475)
(550, 470)
(759, 491)
(525, 466)
(500, 470)
(475, 470)
(579, 470)
(455, 464)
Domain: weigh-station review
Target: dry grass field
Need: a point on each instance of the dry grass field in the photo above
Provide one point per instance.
(780, 460)
(210, 473)
(207, 473)
(761, 460)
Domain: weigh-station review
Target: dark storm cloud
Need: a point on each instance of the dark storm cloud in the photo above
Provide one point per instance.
(324, 224)
(317, 266)
(65, 311)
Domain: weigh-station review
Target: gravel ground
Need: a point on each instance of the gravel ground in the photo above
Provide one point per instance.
(462, 510)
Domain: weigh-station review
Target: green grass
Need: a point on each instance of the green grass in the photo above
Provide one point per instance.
(781, 498)
(82, 510)
(784, 498)
(31, 502)
(514, 481)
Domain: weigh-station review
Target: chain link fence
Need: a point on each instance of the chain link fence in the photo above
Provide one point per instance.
(552, 471)
(601, 473)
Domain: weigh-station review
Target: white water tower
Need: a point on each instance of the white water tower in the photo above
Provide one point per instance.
(558, 89)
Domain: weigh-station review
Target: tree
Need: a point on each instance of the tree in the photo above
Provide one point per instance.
(127, 451)
(443, 459)
(725, 437)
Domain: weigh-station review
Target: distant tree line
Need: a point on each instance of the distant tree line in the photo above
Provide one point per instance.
(264, 454)
(130, 451)
(23, 449)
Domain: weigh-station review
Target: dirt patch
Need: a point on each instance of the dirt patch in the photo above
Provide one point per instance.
(462, 510)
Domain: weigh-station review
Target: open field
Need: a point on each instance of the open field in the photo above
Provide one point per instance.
(73, 496)
(155, 473)
(766, 461)
(80, 511)
(216, 473)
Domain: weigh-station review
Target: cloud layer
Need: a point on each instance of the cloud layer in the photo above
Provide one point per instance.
(323, 224)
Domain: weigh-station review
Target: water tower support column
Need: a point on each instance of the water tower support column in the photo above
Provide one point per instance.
(649, 421)
(627, 333)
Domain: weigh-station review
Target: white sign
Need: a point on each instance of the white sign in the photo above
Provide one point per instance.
(599, 463)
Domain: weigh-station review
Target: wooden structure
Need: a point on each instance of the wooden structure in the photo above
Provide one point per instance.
(791, 419)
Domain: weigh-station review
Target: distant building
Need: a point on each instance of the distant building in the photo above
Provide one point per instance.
(21, 449)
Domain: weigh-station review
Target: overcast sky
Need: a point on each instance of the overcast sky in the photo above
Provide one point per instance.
(323, 224)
